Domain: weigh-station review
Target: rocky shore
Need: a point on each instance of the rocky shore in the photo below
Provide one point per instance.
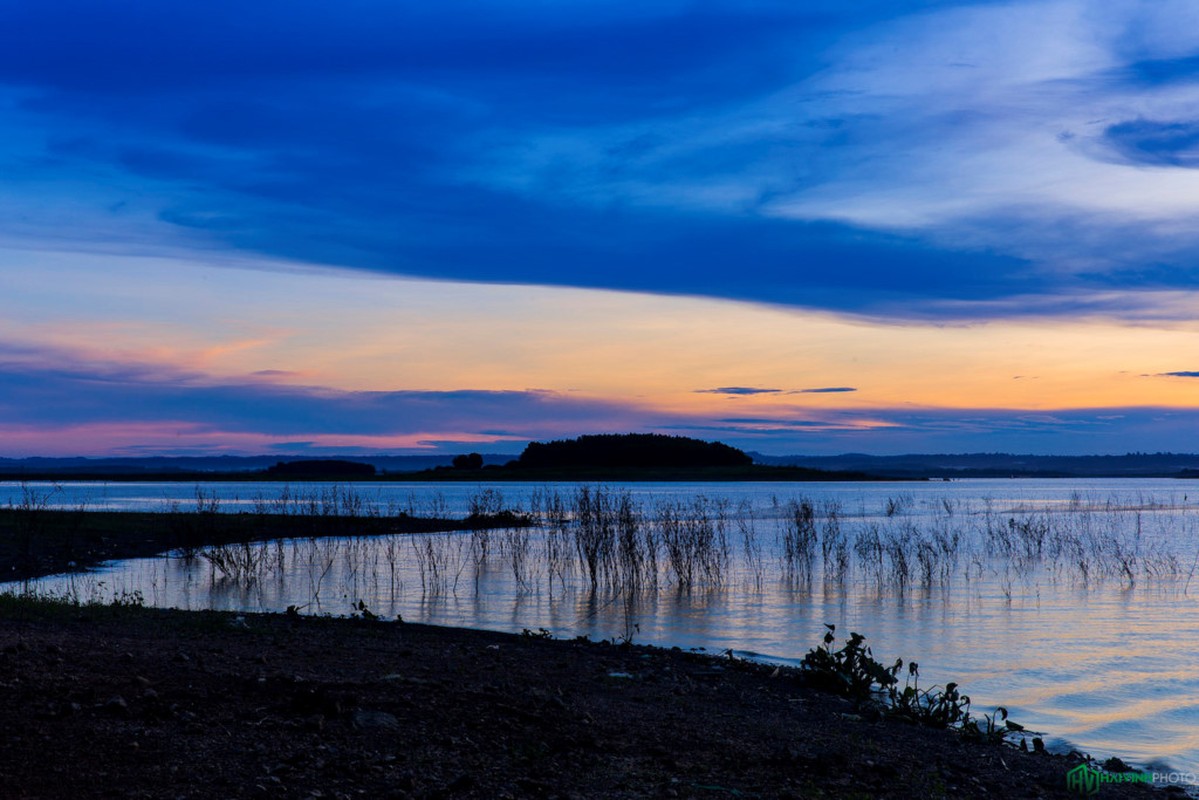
(128, 702)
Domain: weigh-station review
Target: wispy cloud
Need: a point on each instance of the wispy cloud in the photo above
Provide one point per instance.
(738, 390)
(56, 403)
(827, 390)
(52, 388)
(1183, 374)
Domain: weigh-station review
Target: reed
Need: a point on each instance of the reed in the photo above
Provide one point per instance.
(618, 547)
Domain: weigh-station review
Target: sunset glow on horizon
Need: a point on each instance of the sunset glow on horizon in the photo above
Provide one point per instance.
(921, 227)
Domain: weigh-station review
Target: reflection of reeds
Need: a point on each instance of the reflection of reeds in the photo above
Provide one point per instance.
(751, 545)
(431, 563)
(619, 546)
(695, 540)
(615, 544)
(243, 562)
(550, 509)
(834, 545)
(516, 548)
(594, 529)
(799, 537)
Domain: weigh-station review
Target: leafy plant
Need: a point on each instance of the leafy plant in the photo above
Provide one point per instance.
(935, 707)
(851, 671)
(991, 731)
(361, 610)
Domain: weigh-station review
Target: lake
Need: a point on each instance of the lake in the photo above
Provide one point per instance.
(1074, 603)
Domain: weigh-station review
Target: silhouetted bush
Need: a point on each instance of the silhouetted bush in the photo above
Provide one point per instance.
(472, 461)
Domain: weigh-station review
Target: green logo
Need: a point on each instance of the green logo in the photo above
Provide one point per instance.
(1082, 780)
(1085, 780)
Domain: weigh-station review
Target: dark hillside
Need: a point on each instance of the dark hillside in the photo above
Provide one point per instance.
(331, 468)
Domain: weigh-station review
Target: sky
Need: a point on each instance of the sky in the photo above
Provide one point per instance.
(798, 227)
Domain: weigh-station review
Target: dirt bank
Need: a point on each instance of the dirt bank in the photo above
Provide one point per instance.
(134, 702)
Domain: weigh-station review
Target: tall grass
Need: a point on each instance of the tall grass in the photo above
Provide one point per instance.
(603, 539)
(609, 542)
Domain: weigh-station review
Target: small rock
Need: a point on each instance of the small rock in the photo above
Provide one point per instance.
(374, 720)
(116, 705)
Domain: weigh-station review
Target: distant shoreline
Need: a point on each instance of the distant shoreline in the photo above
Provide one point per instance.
(500, 475)
(596, 465)
(485, 475)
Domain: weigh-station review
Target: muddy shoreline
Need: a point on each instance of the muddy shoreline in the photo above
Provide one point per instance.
(141, 703)
(124, 701)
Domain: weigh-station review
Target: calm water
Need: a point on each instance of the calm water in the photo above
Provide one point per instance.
(1073, 603)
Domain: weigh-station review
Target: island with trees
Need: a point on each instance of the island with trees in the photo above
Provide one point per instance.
(630, 457)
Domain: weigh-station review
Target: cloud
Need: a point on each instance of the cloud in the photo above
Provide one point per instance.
(827, 390)
(738, 390)
(50, 388)
(1152, 143)
(943, 430)
(783, 153)
(57, 402)
(1181, 374)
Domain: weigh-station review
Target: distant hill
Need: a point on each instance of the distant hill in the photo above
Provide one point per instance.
(15, 468)
(998, 465)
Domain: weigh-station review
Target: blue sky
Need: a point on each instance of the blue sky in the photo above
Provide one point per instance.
(959, 172)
